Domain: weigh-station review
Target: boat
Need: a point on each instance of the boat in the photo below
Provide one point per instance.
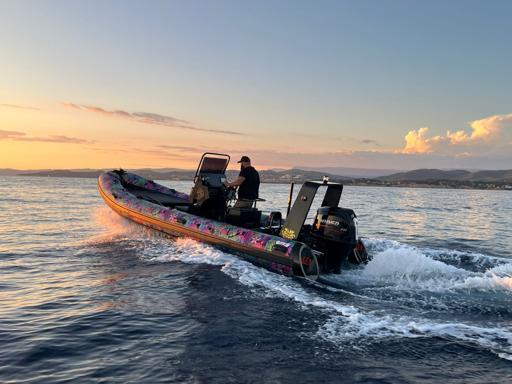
(287, 246)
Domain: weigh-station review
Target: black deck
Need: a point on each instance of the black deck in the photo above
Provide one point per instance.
(156, 197)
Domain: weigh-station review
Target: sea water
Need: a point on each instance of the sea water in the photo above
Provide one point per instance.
(86, 296)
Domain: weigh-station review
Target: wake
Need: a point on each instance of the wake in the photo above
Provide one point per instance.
(403, 292)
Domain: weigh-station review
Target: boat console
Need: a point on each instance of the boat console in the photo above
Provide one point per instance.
(208, 195)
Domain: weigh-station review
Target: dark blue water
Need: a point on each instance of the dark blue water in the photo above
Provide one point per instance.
(86, 296)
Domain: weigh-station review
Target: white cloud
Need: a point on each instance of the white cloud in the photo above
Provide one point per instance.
(485, 131)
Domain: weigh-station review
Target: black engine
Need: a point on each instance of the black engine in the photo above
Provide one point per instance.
(334, 233)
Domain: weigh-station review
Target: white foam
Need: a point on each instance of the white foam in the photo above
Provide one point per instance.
(190, 251)
(112, 226)
(398, 266)
(453, 256)
(406, 268)
(369, 327)
(406, 263)
(350, 324)
(494, 279)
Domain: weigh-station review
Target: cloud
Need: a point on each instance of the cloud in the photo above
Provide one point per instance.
(156, 153)
(489, 128)
(179, 148)
(416, 141)
(368, 141)
(149, 118)
(483, 132)
(22, 136)
(19, 106)
(10, 135)
(183, 148)
(57, 139)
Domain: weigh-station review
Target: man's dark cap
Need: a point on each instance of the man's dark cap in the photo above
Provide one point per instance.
(244, 159)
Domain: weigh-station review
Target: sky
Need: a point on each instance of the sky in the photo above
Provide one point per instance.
(383, 84)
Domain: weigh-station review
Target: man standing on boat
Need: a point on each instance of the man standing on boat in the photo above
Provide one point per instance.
(248, 182)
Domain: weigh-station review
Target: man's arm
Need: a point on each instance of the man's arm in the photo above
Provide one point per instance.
(236, 183)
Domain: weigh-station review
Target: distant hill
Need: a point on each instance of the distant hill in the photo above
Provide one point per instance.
(490, 176)
(454, 175)
(426, 174)
(266, 176)
(63, 173)
(421, 178)
(14, 172)
(356, 173)
(296, 175)
(147, 173)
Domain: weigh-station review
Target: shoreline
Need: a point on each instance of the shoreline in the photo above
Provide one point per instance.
(430, 184)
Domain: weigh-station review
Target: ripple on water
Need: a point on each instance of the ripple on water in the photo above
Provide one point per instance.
(96, 297)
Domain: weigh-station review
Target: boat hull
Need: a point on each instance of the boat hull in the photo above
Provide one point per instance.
(272, 252)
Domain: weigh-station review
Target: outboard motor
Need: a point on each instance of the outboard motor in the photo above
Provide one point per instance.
(334, 233)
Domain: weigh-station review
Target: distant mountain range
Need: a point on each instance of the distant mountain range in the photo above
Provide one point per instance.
(266, 176)
(356, 173)
(498, 179)
(454, 175)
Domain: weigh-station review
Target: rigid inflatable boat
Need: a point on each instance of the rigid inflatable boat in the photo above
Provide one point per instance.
(289, 247)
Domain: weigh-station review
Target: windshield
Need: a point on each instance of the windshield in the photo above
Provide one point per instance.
(213, 165)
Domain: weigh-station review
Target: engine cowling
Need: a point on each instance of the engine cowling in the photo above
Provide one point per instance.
(334, 233)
